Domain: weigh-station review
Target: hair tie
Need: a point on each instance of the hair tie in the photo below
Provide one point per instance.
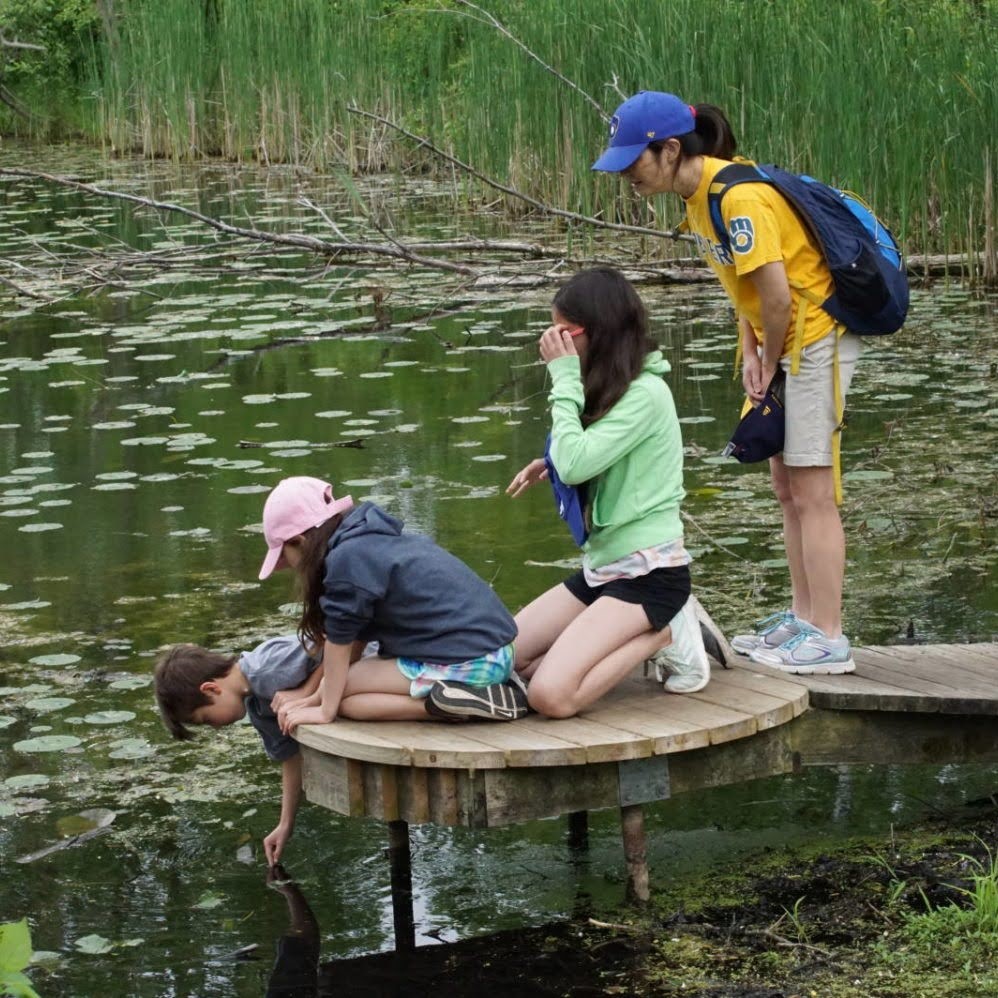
(693, 110)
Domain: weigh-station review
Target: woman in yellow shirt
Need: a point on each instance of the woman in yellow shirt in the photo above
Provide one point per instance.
(773, 268)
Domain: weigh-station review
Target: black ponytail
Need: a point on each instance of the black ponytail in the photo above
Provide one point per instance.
(711, 135)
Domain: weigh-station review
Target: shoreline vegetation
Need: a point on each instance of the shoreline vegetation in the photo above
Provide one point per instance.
(895, 98)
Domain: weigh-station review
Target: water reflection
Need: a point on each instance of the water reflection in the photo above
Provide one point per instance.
(296, 969)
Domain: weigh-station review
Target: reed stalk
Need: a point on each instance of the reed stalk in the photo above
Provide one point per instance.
(895, 98)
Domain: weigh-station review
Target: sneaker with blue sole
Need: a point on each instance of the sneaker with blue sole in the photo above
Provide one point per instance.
(809, 653)
(770, 633)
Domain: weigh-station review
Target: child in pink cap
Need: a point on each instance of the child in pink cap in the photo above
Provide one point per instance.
(362, 579)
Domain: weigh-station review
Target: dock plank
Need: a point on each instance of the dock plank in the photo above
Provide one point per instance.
(958, 692)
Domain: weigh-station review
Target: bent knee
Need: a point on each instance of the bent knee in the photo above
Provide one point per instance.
(550, 702)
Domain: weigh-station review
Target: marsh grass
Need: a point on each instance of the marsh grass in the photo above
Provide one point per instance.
(895, 99)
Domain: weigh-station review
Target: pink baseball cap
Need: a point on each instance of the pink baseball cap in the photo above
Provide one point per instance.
(294, 506)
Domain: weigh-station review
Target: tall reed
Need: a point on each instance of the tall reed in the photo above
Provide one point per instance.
(895, 98)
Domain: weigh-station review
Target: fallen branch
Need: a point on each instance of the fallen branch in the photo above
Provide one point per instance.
(310, 243)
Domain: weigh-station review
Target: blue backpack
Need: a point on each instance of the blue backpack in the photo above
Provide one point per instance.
(569, 500)
(871, 285)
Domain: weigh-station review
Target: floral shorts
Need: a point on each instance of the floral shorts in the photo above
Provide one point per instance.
(495, 667)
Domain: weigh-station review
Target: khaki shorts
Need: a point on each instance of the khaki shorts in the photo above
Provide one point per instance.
(810, 399)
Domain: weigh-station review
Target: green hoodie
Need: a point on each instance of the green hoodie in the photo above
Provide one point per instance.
(632, 458)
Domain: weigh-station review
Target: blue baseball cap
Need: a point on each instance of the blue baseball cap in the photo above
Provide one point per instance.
(648, 116)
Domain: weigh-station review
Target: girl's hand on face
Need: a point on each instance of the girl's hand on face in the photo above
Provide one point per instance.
(534, 472)
(557, 342)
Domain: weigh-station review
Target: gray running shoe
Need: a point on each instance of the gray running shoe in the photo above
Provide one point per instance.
(809, 653)
(498, 702)
(769, 633)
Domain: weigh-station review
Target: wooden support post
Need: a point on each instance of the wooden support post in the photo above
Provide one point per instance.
(400, 861)
(578, 832)
(632, 821)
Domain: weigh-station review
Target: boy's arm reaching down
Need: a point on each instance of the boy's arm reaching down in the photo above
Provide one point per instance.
(274, 843)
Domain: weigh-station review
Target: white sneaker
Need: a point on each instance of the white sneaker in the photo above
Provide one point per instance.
(714, 641)
(682, 666)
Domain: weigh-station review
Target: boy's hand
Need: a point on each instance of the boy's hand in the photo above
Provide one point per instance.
(534, 472)
(303, 715)
(274, 843)
(283, 697)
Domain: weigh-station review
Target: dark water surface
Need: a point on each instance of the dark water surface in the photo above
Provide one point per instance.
(142, 425)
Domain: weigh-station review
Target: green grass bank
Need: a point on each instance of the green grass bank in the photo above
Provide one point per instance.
(895, 98)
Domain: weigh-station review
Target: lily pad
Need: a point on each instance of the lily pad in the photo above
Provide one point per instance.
(130, 683)
(48, 743)
(209, 900)
(44, 705)
(27, 781)
(867, 475)
(56, 659)
(131, 748)
(109, 717)
(94, 945)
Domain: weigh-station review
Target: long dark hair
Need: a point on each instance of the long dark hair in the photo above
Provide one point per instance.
(311, 571)
(604, 303)
(711, 136)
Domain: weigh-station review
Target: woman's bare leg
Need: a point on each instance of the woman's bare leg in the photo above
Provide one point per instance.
(377, 691)
(591, 655)
(540, 623)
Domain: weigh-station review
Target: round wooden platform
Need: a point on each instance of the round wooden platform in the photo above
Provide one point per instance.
(636, 745)
(636, 720)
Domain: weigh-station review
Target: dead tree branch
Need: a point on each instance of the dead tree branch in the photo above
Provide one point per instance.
(310, 243)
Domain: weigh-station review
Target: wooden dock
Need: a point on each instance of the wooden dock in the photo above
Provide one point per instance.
(910, 703)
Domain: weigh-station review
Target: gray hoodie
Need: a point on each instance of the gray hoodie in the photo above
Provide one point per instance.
(407, 593)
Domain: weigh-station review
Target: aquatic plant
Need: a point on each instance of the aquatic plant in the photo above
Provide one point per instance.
(15, 955)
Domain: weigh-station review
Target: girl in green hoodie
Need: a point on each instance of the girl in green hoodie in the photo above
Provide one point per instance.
(613, 428)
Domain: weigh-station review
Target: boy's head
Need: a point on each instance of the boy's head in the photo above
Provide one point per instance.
(197, 686)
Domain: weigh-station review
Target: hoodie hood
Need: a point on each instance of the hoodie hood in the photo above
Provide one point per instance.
(655, 363)
(364, 520)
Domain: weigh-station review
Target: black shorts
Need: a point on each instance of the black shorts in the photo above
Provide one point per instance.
(661, 593)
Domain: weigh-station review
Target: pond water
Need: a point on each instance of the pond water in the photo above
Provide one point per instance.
(142, 423)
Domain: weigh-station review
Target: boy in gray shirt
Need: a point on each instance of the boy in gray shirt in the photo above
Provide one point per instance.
(197, 686)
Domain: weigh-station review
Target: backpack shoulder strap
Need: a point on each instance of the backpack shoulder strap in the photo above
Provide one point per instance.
(726, 178)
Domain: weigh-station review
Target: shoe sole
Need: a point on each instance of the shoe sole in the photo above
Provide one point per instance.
(450, 702)
(818, 669)
(695, 689)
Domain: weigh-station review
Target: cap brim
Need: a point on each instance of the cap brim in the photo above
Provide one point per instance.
(273, 561)
(618, 158)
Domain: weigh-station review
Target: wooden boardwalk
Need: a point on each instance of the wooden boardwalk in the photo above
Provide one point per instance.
(906, 703)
